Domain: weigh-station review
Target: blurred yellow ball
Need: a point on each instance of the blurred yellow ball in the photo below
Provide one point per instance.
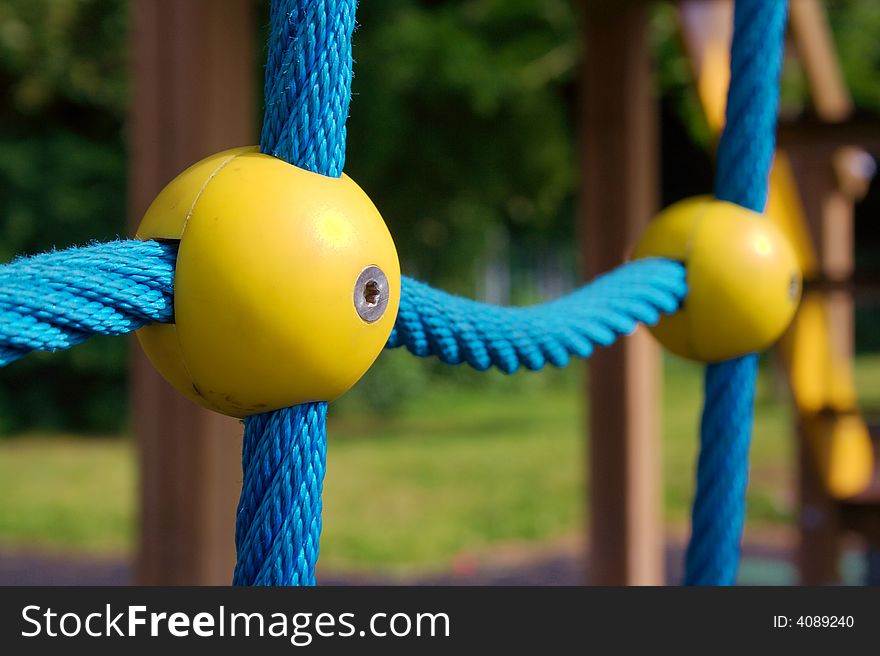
(286, 285)
(744, 283)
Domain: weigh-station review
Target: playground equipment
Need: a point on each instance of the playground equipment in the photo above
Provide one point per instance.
(839, 440)
(117, 288)
(839, 484)
(241, 290)
(744, 282)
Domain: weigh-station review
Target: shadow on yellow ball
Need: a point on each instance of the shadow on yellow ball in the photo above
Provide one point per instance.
(744, 283)
(286, 287)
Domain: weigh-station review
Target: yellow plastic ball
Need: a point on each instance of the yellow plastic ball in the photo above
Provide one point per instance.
(286, 287)
(743, 279)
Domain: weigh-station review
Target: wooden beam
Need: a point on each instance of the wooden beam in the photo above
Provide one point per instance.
(818, 552)
(829, 214)
(862, 285)
(814, 135)
(619, 197)
(193, 94)
(818, 57)
(706, 29)
(831, 98)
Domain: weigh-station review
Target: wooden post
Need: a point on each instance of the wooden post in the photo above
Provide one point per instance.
(830, 219)
(829, 212)
(706, 29)
(829, 207)
(619, 197)
(193, 94)
(818, 551)
(816, 52)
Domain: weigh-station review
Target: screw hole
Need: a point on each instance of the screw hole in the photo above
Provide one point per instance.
(372, 293)
(794, 287)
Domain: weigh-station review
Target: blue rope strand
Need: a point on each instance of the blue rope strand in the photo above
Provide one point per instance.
(59, 299)
(308, 83)
(279, 517)
(745, 154)
(457, 330)
(307, 93)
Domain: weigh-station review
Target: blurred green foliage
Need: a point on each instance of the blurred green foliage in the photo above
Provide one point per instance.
(856, 26)
(462, 125)
(461, 121)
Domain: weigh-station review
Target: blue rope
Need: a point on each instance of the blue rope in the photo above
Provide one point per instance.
(745, 153)
(307, 93)
(458, 330)
(279, 514)
(59, 299)
(308, 83)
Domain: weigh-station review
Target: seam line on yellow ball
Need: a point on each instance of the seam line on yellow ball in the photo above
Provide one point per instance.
(192, 209)
(698, 224)
(204, 186)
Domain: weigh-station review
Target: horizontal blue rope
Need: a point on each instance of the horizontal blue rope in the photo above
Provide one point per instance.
(57, 300)
(458, 330)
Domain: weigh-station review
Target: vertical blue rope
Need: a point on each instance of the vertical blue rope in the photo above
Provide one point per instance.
(279, 516)
(307, 93)
(308, 83)
(745, 154)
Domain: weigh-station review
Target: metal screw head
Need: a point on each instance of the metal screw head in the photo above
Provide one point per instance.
(371, 294)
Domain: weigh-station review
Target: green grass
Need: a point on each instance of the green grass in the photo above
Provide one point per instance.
(466, 469)
(460, 468)
(65, 492)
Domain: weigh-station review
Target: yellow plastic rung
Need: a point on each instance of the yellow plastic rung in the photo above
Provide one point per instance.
(841, 450)
(818, 379)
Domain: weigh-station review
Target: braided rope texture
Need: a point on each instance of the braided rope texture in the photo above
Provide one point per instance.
(458, 330)
(745, 154)
(308, 83)
(59, 299)
(279, 516)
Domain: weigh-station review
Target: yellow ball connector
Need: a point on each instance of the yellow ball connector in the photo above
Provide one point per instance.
(286, 286)
(744, 283)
